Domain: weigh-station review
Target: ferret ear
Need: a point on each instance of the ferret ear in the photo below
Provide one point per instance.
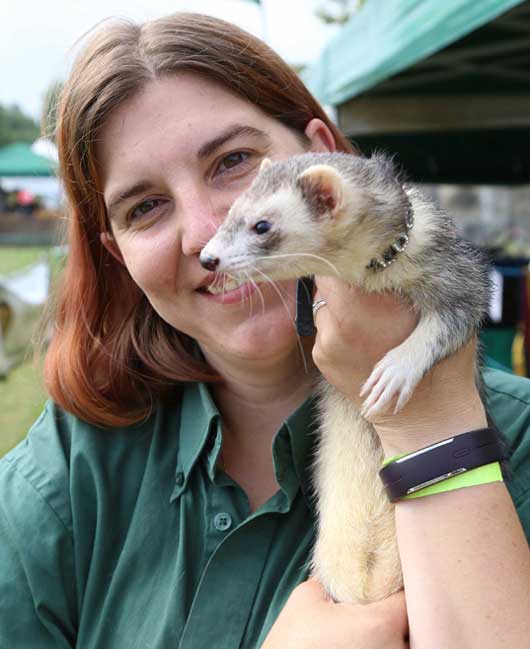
(321, 186)
(265, 164)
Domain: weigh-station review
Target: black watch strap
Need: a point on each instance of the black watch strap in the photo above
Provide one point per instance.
(440, 461)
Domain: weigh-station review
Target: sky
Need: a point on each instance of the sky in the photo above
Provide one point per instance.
(38, 37)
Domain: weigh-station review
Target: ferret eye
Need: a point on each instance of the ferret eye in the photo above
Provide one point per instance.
(262, 227)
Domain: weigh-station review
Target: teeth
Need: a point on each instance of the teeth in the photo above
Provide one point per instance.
(224, 286)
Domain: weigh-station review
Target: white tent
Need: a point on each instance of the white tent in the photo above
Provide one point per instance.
(22, 296)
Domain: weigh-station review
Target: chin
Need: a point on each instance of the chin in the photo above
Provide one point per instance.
(259, 338)
(263, 336)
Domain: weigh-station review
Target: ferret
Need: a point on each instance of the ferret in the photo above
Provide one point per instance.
(344, 215)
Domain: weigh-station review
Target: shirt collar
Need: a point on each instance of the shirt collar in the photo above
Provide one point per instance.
(198, 415)
(200, 434)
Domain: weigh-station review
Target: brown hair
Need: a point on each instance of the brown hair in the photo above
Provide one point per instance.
(111, 355)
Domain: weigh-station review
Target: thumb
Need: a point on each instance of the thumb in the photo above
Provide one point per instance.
(312, 591)
(394, 608)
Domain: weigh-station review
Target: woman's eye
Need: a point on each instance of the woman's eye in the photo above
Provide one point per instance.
(233, 160)
(144, 208)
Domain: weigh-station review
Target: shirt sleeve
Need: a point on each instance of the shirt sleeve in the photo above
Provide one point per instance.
(37, 586)
(508, 403)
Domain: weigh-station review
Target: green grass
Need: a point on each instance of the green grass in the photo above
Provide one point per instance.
(21, 394)
(21, 400)
(12, 258)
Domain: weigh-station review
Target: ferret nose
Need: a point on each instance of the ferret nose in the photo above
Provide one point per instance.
(209, 262)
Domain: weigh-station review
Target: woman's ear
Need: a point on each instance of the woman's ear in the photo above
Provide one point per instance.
(108, 242)
(320, 137)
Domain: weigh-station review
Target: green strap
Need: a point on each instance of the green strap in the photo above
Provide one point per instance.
(479, 475)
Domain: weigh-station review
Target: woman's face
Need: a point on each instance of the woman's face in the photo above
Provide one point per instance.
(174, 158)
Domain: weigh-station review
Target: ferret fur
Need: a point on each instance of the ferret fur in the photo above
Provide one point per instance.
(331, 214)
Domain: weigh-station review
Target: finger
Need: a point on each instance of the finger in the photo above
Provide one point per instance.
(318, 296)
(336, 292)
(318, 306)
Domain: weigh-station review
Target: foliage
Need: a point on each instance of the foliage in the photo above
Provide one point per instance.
(338, 12)
(15, 126)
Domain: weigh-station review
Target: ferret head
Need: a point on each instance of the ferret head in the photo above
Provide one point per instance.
(280, 225)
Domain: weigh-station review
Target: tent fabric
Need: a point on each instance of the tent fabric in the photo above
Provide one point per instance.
(387, 36)
(19, 160)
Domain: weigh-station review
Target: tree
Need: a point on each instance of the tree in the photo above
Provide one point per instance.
(338, 12)
(15, 126)
(49, 108)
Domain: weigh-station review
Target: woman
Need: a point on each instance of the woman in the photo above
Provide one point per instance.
(161, 499)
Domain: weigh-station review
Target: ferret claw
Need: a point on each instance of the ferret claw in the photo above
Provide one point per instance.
(391, 378)
(403, 399)
(380, 398)
(371, 380)
(374, 396)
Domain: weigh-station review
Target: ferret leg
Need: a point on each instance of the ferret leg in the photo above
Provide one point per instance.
(401, 369)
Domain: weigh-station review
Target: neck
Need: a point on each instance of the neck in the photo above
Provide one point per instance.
(253, 403)
(255, 399)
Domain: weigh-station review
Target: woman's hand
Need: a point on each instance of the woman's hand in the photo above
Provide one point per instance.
(310, 620)
(355, 330)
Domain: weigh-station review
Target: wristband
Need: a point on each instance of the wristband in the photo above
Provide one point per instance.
(480, 475)
(441, 461)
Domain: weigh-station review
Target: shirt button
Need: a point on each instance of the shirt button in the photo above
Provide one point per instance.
(179, 479)
(222, 521)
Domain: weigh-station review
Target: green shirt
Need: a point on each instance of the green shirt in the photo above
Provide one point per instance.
(133, 538)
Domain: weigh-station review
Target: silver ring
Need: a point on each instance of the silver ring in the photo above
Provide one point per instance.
(318, 305)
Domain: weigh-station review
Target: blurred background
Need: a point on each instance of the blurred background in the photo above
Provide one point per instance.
(443, 86)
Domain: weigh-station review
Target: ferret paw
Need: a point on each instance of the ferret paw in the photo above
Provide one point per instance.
(390, 379)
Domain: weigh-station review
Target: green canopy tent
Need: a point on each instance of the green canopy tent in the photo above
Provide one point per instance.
(445, 85)
(19, 160)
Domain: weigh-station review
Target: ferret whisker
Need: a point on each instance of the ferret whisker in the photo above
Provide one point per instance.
(213, 283)
(258, 290)
(305, 254)
(251, 305)
(219, 280)
(275, 287)
(251, 301)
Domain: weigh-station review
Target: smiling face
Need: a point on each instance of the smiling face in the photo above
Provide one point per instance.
(174, 159)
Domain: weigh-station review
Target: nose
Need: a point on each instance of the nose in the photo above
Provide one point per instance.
(199, 217)
(209, 262)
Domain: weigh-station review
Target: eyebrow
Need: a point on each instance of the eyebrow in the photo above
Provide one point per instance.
(206, 150)
(236, 130)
